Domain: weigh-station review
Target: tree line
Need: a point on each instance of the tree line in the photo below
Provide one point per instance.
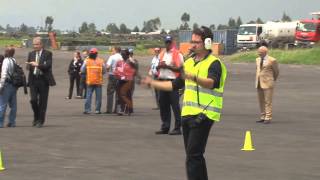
(148, 26)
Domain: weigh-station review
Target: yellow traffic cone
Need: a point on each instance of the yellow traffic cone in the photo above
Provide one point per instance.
(1, 163)
(247, 146)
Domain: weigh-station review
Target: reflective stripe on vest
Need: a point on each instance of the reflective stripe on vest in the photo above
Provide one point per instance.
(210, 100)
(94, 72)
(204, 90)
(202, 106)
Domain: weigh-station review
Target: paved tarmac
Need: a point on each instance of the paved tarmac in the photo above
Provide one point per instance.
(73, 146)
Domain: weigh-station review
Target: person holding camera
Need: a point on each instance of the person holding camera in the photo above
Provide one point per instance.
(203, 78)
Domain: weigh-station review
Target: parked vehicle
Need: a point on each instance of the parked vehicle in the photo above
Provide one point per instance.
(249, 36)
(274, 34)
(308, 31)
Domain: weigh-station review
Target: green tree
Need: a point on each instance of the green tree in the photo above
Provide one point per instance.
(232, 23)
(259, 21)
(48, 23)
(123, 29)
(23, 28)
(195, 26)
(151, 25)
(286, 18)
(92, 28)
(222, 27)
(212, 27)
(112, 28)
(84, 28)
(185, 18)
(136, 29)
(239, 21)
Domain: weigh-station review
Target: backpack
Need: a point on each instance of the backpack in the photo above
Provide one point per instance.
(17, 78)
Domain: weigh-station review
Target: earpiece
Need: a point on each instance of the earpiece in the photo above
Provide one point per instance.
(208, 44)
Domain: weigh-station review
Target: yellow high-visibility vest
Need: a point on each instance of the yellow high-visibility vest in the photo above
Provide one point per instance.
(211, 99)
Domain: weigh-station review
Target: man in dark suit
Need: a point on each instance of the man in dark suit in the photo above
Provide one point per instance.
(40, 78)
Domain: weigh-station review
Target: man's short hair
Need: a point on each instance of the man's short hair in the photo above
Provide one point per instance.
(9, 51)
(204, 32)
(37, 39)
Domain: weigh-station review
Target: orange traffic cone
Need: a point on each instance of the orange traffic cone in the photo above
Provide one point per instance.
(247, 146)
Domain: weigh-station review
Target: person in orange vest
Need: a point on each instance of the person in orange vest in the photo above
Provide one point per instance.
(169, 66)
(94, 69)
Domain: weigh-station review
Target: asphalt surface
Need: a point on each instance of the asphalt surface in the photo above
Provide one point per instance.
(73, 146)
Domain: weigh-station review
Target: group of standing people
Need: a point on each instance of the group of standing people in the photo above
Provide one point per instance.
(202, 76)
(122, 71)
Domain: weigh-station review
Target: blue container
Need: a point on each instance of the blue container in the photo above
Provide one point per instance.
(226, 37)
(185, 36)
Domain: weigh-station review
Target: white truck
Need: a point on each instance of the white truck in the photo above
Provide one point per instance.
(249, 36)
(275, 34)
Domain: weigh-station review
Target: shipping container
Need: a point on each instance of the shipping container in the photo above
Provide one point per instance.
(228, 39)
(185, 36)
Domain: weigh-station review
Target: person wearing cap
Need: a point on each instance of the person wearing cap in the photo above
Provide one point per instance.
(112, 81)
(94, 69)
(170, 61)
(153, 72)
(40, 78)
(204, 78)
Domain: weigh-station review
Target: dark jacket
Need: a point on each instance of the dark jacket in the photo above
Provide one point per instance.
(45, 66)
(74, 69)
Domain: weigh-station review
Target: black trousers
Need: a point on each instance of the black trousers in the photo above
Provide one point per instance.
(83, 86)
(168, 100)
(74, 78)
(39, 91)
(195, 137)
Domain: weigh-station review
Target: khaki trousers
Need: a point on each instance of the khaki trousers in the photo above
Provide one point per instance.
(265, 101)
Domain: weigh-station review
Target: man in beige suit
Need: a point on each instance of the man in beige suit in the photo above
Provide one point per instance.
(267, 74)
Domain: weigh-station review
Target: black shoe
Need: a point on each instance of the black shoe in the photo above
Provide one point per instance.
(260, 121)
(85, 112)
(267, 122)
(107, 112)
(34, 123)
(11, 125)
(175, 132)
(162, 132)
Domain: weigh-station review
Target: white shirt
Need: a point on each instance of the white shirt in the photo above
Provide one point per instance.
(6, 70)
(112, 61)
(154, 65)
(167, 73)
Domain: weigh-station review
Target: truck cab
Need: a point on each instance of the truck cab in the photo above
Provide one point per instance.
(308, 31)
(248, 36)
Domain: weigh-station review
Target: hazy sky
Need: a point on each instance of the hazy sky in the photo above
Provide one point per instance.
(69, 14)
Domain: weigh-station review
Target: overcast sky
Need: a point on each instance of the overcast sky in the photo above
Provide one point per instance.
(69, 14)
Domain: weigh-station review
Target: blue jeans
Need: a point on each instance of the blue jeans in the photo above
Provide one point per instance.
(8, 97)
(98, 90)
